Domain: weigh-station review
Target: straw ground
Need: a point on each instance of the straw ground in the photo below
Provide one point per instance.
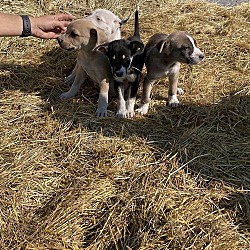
(174, 179)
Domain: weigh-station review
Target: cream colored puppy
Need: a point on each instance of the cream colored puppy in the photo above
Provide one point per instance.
(83, 36)
(109, 23)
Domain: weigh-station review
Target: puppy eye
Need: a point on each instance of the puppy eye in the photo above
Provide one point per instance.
(73, 34)
(111, 59)
(98, 19)
(126, 58)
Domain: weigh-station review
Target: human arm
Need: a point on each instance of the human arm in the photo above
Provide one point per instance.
(11, 25)
(47, 26)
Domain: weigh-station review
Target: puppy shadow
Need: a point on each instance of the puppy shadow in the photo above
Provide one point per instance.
(164, 127)
(239, 204)
(40, 78)
(214, 140)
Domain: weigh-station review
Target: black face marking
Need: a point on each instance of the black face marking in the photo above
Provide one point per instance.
(119, 56)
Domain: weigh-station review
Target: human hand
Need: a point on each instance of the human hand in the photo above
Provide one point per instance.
(50, 26)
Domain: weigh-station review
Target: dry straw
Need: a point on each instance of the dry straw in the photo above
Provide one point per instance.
(174, 179)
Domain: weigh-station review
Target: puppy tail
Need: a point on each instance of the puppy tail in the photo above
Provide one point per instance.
(136, 31)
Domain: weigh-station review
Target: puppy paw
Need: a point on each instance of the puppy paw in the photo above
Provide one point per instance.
(121, 113)
(173, 101)
(143, 109)
(66, 95)
(101, 112)
(130, 105)
(121, 109)
(180, 91)
(130, 113)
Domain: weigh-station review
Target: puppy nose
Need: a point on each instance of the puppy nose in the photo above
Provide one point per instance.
(59, 39)
(201, 56)
(119, 73)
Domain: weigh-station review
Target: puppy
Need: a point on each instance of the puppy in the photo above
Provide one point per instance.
(163, 56)
(109, 23)
(126, 60)
(83, 36)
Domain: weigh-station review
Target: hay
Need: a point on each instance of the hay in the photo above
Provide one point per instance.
(175, 179)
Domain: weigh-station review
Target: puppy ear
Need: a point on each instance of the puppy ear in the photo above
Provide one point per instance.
(136, 47)
(117, 21)
(164, 45)
(97, 36)
(122, 22)
(103, 48)
(93, 36)
(102, 36)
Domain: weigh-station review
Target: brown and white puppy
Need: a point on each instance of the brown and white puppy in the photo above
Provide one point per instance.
(164, 54)
(83, 36)
(109, 23)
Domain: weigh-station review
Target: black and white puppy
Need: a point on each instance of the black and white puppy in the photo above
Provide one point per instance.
(126, 59)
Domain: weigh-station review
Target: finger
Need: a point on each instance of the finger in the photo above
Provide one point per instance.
(51, 35)
(62, 25)
(47, 35)
(58, 30)
(64, 17)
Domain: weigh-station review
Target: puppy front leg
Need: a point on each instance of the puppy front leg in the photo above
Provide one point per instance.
(172, 90)
(121, 104)
(103, 99)
(146, 91)
(132, 93)
(79, 79)
(130, 104)
(71, 77)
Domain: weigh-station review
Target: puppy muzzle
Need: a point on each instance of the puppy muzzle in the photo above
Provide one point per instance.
(195, 59)
(68, 47)
(119, 74)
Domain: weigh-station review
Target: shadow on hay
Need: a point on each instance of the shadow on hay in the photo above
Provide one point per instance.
(219, 134)
(215, 139)
(44, 78)
(239, 203)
